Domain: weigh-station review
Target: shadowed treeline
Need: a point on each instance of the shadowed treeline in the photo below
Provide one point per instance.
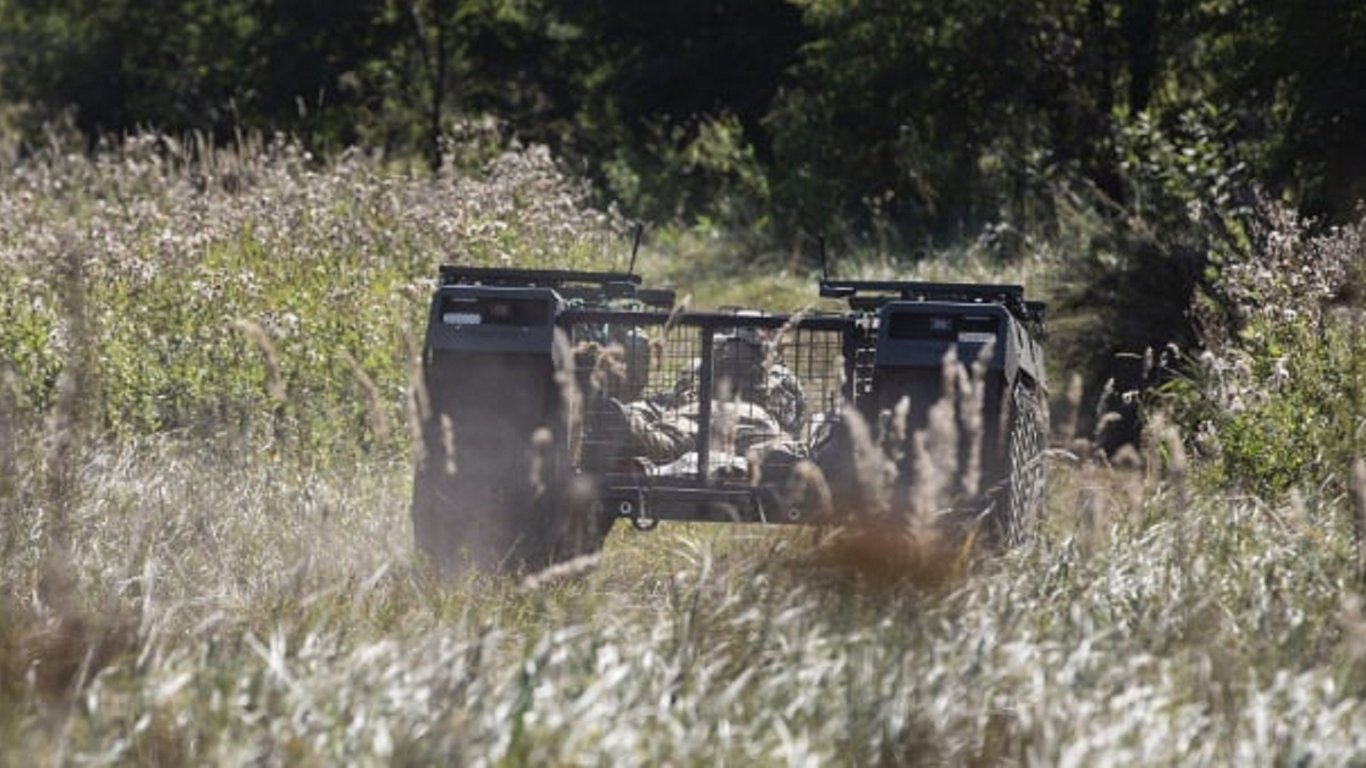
(918, 121)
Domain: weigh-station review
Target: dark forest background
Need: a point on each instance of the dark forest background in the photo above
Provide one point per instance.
(925, 121)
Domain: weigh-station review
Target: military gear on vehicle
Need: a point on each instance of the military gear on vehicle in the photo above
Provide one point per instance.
(558, 402)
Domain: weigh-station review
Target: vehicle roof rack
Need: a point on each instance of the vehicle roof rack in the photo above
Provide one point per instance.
(1009, 296)
(544, 278)
(572, 284)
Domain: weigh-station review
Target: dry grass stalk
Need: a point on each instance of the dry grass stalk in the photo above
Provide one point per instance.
(773, 349)
(896, 442)
(9, 463)
(971, 406)
(1073, 414)
(935, 449)
(571, 398)
(260, 338)
(808, 485)
(1105, 417)
(560, 573)
(1177, 464)
(1358, 493)
(1175, 469)
(448, 443)
(871, 469)
(58, 438)
(63, 423)
(1088, 522)
(1352, 619)
(374, 404)
(418, 404)
(681, 305)
(542, 446)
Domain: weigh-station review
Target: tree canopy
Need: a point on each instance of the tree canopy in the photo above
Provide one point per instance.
(926, 119)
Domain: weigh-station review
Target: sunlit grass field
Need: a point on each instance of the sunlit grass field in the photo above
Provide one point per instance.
(207, 557)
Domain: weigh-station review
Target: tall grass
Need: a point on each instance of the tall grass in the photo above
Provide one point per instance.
(222, 594)
(236, 614)
(182, 246)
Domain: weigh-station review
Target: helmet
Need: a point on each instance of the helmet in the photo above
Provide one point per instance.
(740, 362)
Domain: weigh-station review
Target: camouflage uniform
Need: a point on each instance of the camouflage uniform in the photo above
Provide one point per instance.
(742, 372)
(664, 434)
(757, 409)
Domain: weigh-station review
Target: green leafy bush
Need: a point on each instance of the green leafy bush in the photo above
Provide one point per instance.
(1280, 396)
(1133, 268)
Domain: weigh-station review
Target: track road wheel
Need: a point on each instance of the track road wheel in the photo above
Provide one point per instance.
(1025, 496)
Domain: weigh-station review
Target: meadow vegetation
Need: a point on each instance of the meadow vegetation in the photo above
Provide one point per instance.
(205, 475)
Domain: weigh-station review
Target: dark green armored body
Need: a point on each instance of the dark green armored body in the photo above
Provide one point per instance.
(902, 339)
(557, 402)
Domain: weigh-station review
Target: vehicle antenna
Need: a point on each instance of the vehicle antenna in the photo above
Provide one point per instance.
(635, 247)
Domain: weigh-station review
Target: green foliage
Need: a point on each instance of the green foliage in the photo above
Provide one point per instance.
(673, 100)
(1278, 401)
(870, 121)
(1289, 68)
(895, 113)
(1307, 426)
(711, 167)
(1145, 272)
(177, 63)
(244, 295)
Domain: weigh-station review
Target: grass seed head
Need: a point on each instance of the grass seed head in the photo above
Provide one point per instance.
(260, 338)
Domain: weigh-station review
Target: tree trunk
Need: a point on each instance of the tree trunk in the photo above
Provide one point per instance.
(1139, 25)
(440, 65)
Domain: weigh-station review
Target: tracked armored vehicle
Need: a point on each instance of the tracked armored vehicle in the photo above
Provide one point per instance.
(902, 339)
(556, 403)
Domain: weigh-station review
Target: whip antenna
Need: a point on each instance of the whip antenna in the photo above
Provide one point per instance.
(635, 248)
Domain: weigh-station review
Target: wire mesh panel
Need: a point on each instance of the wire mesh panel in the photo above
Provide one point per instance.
(633, 420)
(703, 399)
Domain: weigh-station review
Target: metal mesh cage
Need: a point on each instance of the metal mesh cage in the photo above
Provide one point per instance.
(662, 396)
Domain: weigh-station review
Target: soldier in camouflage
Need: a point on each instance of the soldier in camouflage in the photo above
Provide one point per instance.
(757, 409)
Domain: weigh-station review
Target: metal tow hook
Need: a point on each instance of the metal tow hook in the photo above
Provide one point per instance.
(636, 512)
